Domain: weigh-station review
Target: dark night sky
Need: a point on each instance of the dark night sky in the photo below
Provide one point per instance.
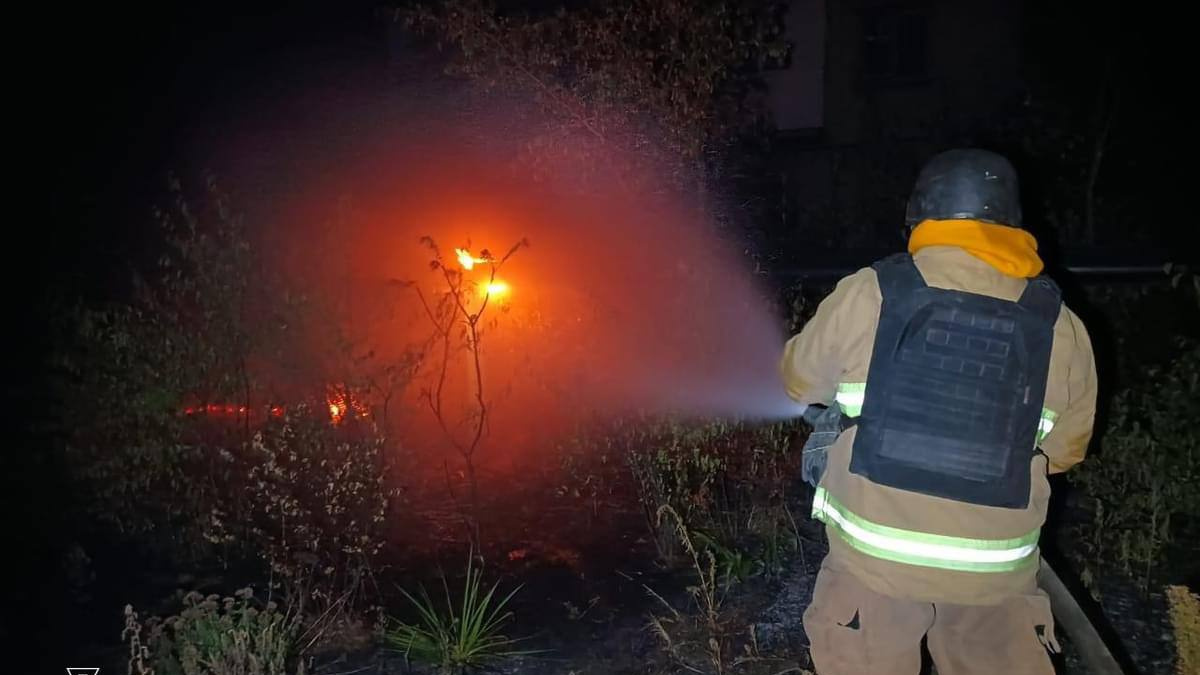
(135, 87)
(122, 95)
(126, 88)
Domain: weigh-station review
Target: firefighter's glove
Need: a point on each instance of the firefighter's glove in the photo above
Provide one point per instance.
(827, 425)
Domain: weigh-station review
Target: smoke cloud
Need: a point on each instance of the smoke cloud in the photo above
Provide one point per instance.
(626, 299)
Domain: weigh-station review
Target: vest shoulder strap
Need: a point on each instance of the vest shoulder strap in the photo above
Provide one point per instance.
(898, 275)
(1042, 298)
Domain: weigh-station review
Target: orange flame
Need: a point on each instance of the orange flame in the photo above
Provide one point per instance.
(469, 261)
(342, 404)
(496, 287)
(337, 412)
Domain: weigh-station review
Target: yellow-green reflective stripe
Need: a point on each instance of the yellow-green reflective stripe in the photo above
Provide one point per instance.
(1049, 417)
(923, 549)
(850, 396)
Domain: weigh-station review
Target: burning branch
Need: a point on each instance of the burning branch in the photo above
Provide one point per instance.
(454, 310)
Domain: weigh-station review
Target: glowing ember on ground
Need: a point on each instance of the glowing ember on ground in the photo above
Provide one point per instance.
(337, 411)
(342, 404)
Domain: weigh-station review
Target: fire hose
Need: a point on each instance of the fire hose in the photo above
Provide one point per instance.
(1074, 621)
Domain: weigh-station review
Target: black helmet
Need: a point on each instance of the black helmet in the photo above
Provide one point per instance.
(970, 184)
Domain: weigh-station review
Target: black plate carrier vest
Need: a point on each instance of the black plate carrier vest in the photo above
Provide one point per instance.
(955, 389)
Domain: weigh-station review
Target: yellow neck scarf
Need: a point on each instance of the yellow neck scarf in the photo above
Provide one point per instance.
(1011, 250)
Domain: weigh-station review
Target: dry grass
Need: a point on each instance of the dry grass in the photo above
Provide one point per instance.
(1185, 618)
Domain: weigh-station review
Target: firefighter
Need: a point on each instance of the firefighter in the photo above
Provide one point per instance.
(944, 385)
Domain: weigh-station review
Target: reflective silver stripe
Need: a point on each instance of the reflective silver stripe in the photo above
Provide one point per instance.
(850, 397)
(1046, 423)
(920, 548)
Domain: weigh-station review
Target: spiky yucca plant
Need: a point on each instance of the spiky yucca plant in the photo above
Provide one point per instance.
(468, 634)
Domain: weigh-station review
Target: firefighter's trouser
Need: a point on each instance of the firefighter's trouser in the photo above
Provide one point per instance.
(854, 631)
